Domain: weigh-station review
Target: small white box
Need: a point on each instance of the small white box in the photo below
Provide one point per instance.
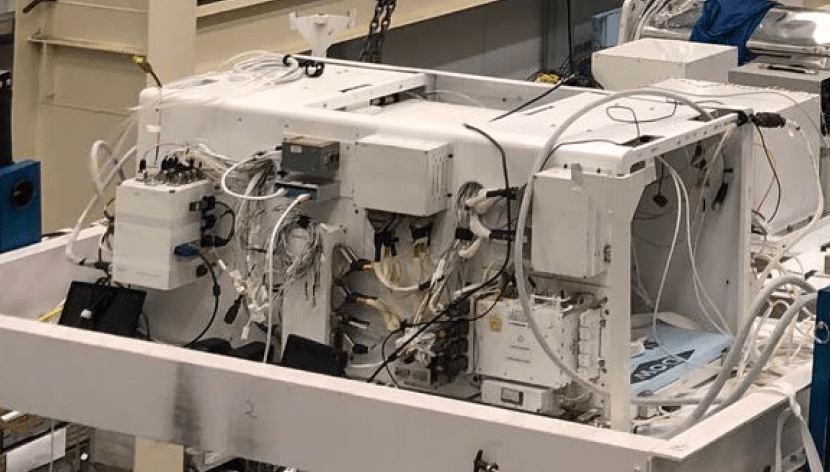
(648, 61)
(517, 396)
(568, 228)
(150, 222)
(401, 175)
(508, 350)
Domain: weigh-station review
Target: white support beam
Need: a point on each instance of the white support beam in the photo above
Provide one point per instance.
(284, 416)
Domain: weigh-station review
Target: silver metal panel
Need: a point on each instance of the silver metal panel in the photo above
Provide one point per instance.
(798, 34)
(282, 416)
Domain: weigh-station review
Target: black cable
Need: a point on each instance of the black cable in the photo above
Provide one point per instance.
(217, 291)
(468, 295)
(228, 211)
(774, 174)
(636, 120)
(383, 357)
(633, 112)
(155, 78)
(570, 37)
(531, 102)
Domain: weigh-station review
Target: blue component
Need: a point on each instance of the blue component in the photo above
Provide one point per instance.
(185, 250)
(731, 22)
(820, 391)
(296, 192)
(664, 361)
(20, 205)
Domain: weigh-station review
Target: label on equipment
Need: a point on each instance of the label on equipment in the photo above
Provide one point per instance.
(513, 397)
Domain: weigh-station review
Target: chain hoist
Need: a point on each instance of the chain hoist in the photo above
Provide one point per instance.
(373, 47)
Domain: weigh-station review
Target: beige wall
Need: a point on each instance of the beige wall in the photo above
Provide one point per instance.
(75, 81)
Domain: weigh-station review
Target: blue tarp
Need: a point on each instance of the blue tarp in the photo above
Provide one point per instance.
(731, 22)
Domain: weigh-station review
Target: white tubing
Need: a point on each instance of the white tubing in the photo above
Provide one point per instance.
(775, 337)
(270, 257)
(76, 231)
(391, 286)
(798, 236)
(252, 198)
(735, 352)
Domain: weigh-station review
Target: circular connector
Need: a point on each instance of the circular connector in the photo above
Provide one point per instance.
(22, 194)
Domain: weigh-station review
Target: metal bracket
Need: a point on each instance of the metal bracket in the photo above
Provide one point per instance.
(319, 30)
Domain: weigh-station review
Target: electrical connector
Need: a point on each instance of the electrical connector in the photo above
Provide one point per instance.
(511, 193)
(501, 235)
(185, 250)
(768, 120)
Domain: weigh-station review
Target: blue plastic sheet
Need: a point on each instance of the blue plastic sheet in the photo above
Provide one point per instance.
(731, 22)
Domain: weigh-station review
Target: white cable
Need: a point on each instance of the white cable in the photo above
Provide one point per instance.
(518, 257)
(782, 94)
(735, 352)
(775, 337)
(478, 228)
(697, 282)
(470, 251)
(665, 275)
(76, 231)
(270, 257)
(810, 450)
(94, 157)
(794, 238)
(390, 285)
(753, 338)
(253, 198)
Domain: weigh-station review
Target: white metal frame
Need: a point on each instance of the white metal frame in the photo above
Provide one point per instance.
(316, 423)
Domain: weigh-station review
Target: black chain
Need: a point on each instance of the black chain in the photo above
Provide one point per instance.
(373, 47)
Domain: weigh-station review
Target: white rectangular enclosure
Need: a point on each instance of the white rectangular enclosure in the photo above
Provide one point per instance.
(649, 61)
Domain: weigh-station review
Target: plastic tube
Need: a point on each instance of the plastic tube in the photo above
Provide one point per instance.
(76, 231)
(252, 198)
(798, 236)
(734, 355)
(271, 243)
(775, 337)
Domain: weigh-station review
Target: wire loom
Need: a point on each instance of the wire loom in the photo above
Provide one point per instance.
(307, 260)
